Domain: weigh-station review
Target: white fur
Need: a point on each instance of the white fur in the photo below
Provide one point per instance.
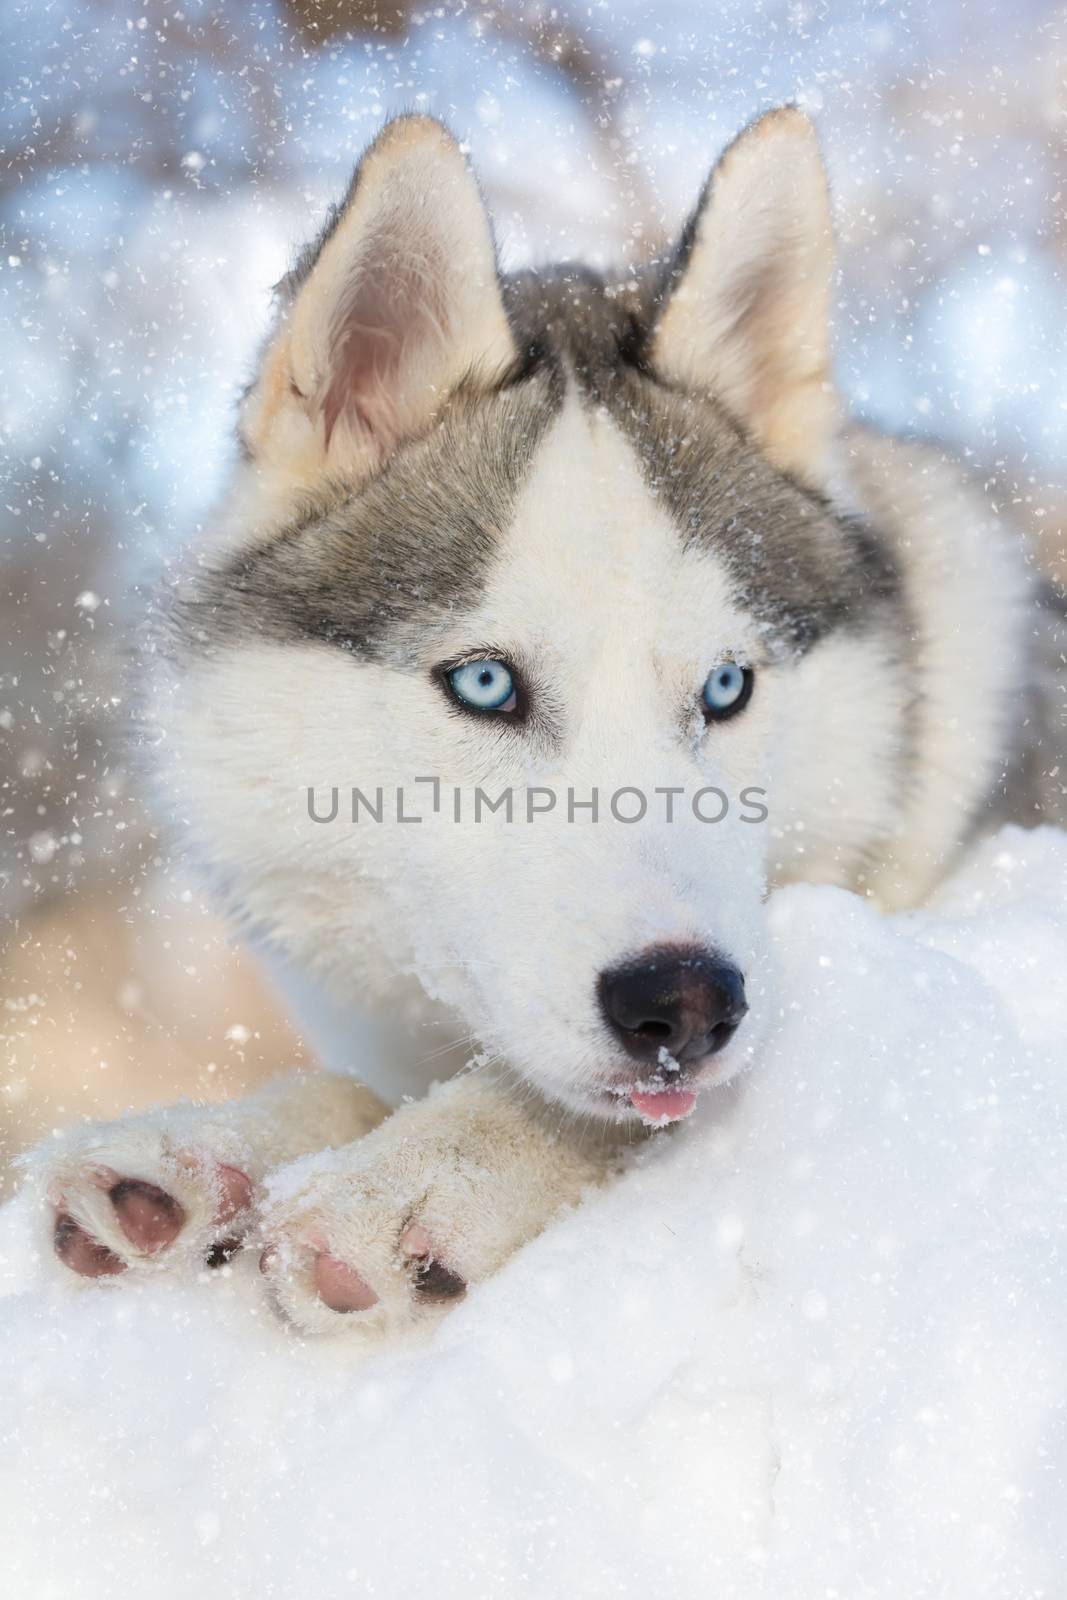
(970, 595)
(624, 644)
(621, 641)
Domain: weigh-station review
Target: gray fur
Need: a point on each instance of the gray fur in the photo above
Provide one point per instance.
(798, 566)
(372, 570)
(362, 570)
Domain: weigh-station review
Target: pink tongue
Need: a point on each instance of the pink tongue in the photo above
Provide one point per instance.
(667, 1106)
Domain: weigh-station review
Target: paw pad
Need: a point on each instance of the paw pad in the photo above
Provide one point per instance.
(150, 1218)
(80, 1252)
(340, 1286)
(433, 1281)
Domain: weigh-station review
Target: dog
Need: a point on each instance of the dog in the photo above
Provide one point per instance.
(549, 622)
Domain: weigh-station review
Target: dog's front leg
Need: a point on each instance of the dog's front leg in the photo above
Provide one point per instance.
(170, 1188)
(389, 1232)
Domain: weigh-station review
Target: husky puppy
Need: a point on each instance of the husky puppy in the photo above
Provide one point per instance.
(548, 622)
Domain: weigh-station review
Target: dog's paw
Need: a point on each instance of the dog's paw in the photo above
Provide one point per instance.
(359, 1264)
(356, 1246)
(149, 1194)
(389, 1234)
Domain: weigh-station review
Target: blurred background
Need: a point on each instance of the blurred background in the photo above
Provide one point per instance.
(161, 164)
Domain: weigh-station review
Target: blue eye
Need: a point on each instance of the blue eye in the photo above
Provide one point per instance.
(726, 689)
(483, 686)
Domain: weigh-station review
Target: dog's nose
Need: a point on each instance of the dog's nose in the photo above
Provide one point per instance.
(686, 1002)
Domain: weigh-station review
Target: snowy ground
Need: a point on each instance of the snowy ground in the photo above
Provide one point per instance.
(813, 1346)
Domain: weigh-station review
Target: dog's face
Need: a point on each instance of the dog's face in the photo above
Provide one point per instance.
(542, 542)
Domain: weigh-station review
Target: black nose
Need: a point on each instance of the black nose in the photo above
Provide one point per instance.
(682, 1000)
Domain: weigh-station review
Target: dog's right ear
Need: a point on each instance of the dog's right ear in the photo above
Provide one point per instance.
(748, 314)
(397, 304)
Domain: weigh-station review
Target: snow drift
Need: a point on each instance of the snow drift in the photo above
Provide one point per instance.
(812, 1345)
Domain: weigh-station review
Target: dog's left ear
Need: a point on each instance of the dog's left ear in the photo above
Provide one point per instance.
(747, 318)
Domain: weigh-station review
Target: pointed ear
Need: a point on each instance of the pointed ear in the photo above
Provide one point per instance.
(396, 304)
(748, 316)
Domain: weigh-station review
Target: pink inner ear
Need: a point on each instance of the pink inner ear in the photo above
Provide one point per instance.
(388, 340)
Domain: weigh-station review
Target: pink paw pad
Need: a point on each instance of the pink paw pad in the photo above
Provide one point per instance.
(235, 1193)
(80, 1252)
(150, 1218)
(340, 1286)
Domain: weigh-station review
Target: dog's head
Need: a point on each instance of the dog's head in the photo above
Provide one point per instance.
(563, 546)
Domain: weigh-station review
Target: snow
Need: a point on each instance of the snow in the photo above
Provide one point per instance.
(810, 1346)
